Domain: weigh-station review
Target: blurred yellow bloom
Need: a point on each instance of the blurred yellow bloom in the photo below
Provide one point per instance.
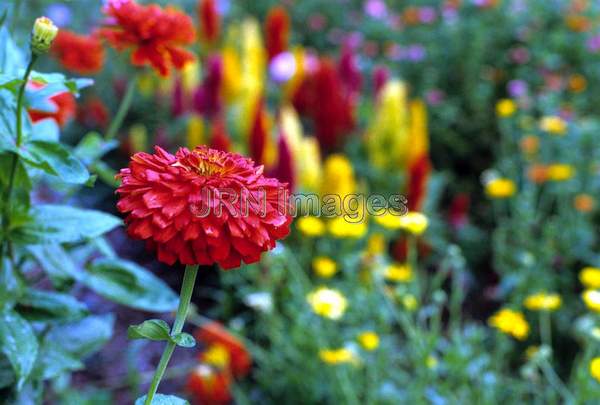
(310, 226)
(419, 138)
(327, 302)
(542, 302)
(376, 244)
(506, 107)
(553, 125)
(338, 356)
(592, 299)
(232, 73)
(190, 76)
(410, 302)
(368, 340)
(595, 368)
(397, 272)
(340, 228)
(584, 202)
(195, 131)
(590, 277)
(216, 355)
(414, 223)
(388, 220)
(387, 136)
(500, 188)
(324, 266)
(560, 172)
(338, 176)
(431, 362)
(510, 322)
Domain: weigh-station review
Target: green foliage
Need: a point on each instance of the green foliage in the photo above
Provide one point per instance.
(161, 399)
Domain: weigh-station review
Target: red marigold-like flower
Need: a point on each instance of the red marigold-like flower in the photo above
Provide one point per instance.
(213, 333)
(156, 35)
(210, 21)
(64, 107)
(209, 386)
(83, 54)
(203, 206)
(277, 31)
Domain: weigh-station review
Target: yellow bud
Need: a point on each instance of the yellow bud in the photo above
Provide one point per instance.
(43, 34)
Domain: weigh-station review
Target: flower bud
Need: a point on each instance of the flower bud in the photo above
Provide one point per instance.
(43, 34)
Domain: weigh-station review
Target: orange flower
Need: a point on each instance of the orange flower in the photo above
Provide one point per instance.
(81, 54)
(277, 31)
(578, 23)
(156, 35)
(64, 107)
(537, 173)
(584, 202)
(213, 333)
(210, 21)
(209, 386)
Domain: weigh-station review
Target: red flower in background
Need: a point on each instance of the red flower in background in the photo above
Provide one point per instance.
(213, 333)
(177, 204)
(259, 134)
(277, 31)
(418, 175)
(83, 54)
(207, 99)
(284, 170)
(63, 105)
(348, 70)
(210, 21)
(219, 138)
(156, 35)
(93, 113)
(209, 386)
(322, 97)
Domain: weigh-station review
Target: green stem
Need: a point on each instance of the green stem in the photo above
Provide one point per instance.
(15, 159)
(189, 278)
(117, 121)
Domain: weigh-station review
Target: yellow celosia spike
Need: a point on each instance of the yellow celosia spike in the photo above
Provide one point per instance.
(310, 171)
(190, 76)
(419, 139)
(338, 176)
(195, 131)
(232, 73)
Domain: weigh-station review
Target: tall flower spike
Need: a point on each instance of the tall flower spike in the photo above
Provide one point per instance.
(203, 206)
(277, 31)
(157, 36)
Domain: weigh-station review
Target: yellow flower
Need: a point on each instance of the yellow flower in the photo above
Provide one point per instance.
(327, 302)
(410, 302)
(338, 177)
(216, 355)
(398, 272)
(340, 228)
(311, 226)
(368, 340)
(590, 277)
(500, 188)
(376, 244)
(510, 322)
(388, 220)
(595, 368)
(324, 267)
(542, 302)
(560, 172)
(195, 131)
(43, 34)
(338, 356)
(232, 72)
(431, 362)
(592, 299)
(414, 222)
(554, 125)
(190, 76)
(506, 107)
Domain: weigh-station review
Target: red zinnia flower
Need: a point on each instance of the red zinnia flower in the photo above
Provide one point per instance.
(81, 54)
(64, 107)
(277, 31)
(93, 113)
(209, 386)
(157, 35)
(210, 21)
(213, 333)
(203, 206)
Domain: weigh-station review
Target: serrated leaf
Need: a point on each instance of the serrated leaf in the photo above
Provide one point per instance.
(54, 159)
(18, 343)
(36, 305)
(162, 399)
(65, 224)
(183, 340)
(153, 329)
(130, 284)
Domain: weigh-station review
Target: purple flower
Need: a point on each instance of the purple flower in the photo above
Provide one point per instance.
(282, 67)
(434, 97)
(427, 15)
(60, 14)
(593, 44)
(517, 88)
(415, 53)
(375, 9)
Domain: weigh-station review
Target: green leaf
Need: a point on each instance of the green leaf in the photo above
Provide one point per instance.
(83, 337)
(7, 375)
(18, 343)
(57, 263)
(93, 146)
(153, 329)
(53, 361)
(161, 399)
(105, 173)
(11, 287)
(65, 224)
(130, 284)
(54, 159)
(36, 305)
(183, 340)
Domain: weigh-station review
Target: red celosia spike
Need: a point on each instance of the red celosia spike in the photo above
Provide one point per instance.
(348, 70)
(418, 175)
(284, 171)
(277, 31)
(258, 135)
(210, 21)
